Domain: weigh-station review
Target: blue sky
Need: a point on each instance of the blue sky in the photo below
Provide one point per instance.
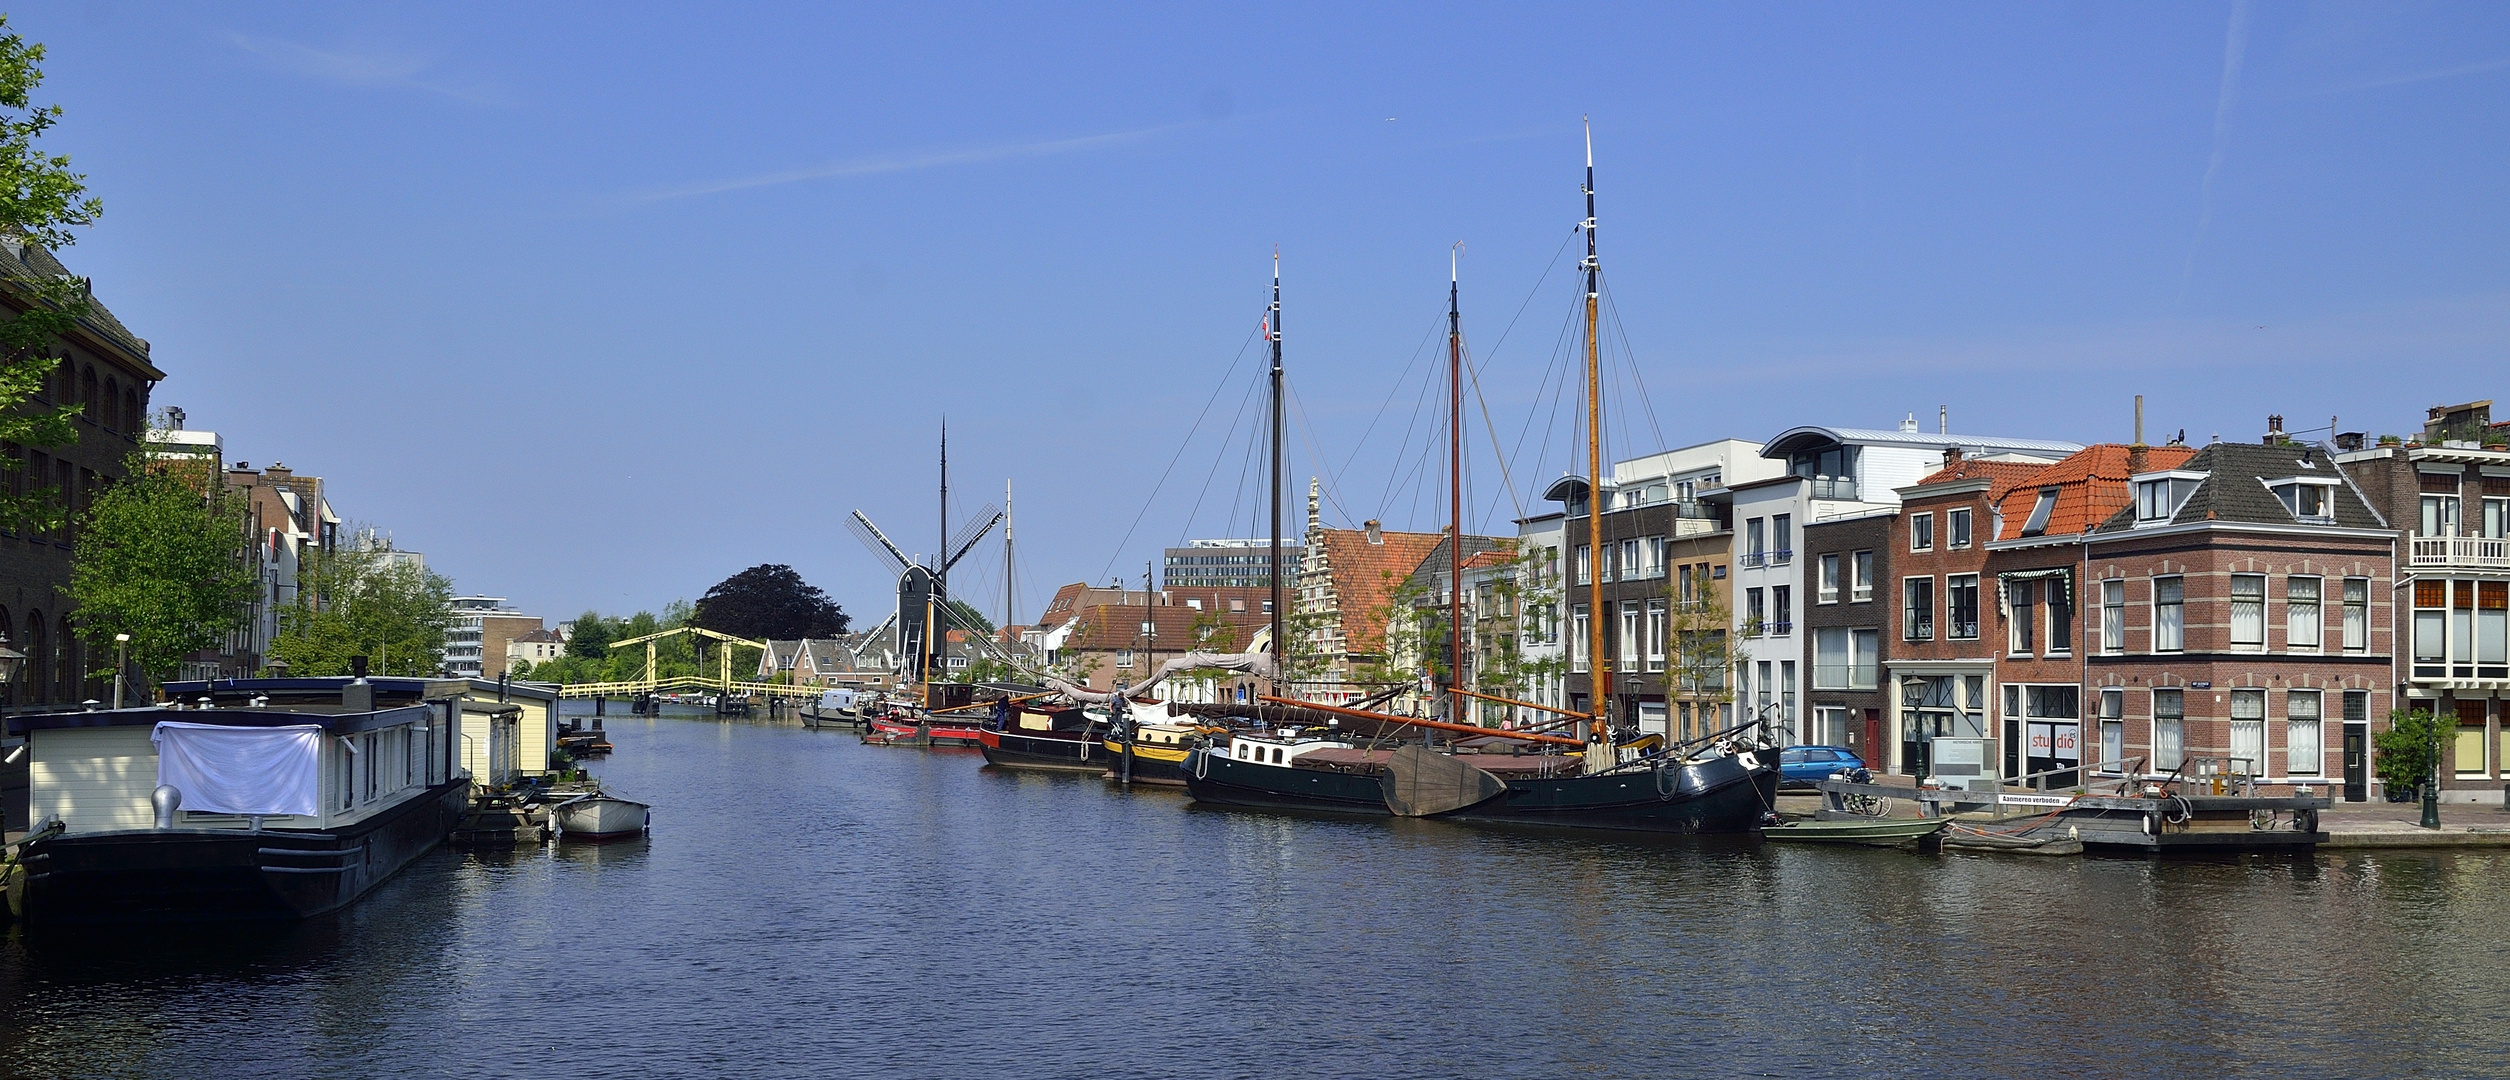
(598, 304)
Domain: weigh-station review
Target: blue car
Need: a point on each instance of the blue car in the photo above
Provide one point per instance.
(1804, 766)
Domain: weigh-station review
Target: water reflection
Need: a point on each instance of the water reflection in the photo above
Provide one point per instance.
(808, 906)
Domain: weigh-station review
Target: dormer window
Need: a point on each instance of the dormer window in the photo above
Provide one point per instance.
(2158, 496)
(2307, 499)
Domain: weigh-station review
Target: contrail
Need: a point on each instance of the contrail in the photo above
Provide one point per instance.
(2235, 46)
(907, 163)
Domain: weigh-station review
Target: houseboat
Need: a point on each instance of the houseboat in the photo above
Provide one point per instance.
(172, 814)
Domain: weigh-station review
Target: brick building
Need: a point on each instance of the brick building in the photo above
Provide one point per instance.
(1941, 671)
(105, 371)
(2447, 494)
(1346, 585)
(1846, 632)
(2237, 614)
(2040, 633)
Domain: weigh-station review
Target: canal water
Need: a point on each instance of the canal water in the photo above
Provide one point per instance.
(810, 907)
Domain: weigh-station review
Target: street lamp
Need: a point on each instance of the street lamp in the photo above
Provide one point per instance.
(121, 666)
(1913, 728)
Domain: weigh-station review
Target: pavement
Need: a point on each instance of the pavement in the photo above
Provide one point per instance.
(2347, 825)
(2386, 824)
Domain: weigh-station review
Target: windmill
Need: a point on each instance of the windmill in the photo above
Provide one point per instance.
(923, 591)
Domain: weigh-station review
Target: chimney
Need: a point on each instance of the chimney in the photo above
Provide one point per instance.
(2136, 451)
(1376, 534)
(1952, 457)
(1909, 424)
(1943, 419)
(2274, 430)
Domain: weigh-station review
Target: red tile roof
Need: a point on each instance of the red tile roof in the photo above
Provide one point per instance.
(2091, 485)
(1365, 576)
(1111, 626)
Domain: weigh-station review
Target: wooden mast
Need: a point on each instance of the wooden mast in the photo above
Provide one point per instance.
(1599, 666)
(936, 639)
(1455, 497)
(1272, 329)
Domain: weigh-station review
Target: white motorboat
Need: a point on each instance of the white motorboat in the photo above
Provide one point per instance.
(596, 816)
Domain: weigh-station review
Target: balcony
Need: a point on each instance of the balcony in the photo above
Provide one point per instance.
(2472, 552)
(1752, 559)
(1834, 487)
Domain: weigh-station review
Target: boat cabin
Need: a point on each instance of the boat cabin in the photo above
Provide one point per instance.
(1280, 748)
(520, 749)
(303, 767)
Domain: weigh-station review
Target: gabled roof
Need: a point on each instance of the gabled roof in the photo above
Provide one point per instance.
(2001, 476)
(1365, 576)
(2234, 488)
(1114, 627)
(2091, 486)
(1425, 574)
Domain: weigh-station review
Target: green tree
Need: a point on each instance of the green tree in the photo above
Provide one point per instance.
(161, 557)
(41, 201)
(590, 635)
(365, 603)
(2409, 751)
(1703, 647)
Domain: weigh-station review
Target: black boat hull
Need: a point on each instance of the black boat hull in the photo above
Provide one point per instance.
(1711, 796)
(190, 876)
(1012, 750)
(1222, 781)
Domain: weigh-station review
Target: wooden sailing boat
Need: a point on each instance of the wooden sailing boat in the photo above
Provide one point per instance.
(1676, 792)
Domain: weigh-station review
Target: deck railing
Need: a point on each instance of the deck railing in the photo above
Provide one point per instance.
(2487, 552)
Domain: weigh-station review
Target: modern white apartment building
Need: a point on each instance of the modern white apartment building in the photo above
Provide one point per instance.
(1826, 473)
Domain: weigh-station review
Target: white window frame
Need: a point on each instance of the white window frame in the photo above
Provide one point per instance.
(2178, 622)
(2113, 616)
(2176, 728)
(2234, 600)
(2357, 614)
(1910, 630)
(1826, 579)
(2305, 617)
(1957, 528)
(2314, 724)
(1860, 576)
(1952, 626)
(1922, 531)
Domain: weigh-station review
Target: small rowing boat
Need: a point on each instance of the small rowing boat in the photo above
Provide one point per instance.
(1875, 832)
(596, 816)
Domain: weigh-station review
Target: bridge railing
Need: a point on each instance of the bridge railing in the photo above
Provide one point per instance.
(638, 687)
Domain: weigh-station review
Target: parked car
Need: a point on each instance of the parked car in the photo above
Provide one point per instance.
(1804, 766)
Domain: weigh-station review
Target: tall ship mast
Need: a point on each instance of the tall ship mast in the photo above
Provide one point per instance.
(1599, 746)
(1272, 329)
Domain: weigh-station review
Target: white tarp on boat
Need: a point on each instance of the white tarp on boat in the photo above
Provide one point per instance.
(1258, 664)
(241, 770)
